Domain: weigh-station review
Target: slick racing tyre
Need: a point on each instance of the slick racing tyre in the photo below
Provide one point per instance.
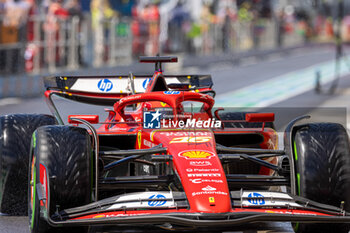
(63, 155)
(241, 116)
(322, 161)
(15, 135)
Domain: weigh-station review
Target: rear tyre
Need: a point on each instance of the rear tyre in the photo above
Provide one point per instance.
(241, 116)
(322, 161)
(65, 152)
(15, 135)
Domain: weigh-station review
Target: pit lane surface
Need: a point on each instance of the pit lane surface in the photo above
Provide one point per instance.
(228, 81)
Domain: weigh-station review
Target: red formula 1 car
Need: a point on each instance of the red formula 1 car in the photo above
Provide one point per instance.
(165, 157)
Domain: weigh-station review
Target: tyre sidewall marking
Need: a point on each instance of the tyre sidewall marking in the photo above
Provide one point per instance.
(33, 192)
(296, 225)
(296, 165)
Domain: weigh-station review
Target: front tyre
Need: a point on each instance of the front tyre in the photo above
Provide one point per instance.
(15, 135)
(62, 154)
(322, 161)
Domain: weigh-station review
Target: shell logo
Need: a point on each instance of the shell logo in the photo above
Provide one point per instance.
(196, 154)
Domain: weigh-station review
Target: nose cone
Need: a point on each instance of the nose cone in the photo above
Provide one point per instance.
(203, 180)
(200, 170)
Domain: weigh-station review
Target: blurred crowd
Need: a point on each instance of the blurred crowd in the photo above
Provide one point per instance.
(18, 20)
(14, 28)
(48, 34)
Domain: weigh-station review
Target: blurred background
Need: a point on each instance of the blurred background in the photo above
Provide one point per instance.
(48, 36)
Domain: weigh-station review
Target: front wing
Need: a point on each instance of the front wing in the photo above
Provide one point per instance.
(171, 207)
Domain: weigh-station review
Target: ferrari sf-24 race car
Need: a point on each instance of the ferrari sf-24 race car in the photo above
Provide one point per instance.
(166, 157)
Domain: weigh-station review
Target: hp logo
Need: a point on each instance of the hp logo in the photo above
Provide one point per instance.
(105, 85)
(256, 199)
(157, 202)
(146, 82)
(171, 92)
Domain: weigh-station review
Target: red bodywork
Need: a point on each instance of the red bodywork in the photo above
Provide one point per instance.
(188, 147)
(194, 155)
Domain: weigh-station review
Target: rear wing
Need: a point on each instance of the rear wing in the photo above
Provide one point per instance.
(106, 90)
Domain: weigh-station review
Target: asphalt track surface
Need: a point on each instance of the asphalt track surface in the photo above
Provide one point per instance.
(228, 81)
